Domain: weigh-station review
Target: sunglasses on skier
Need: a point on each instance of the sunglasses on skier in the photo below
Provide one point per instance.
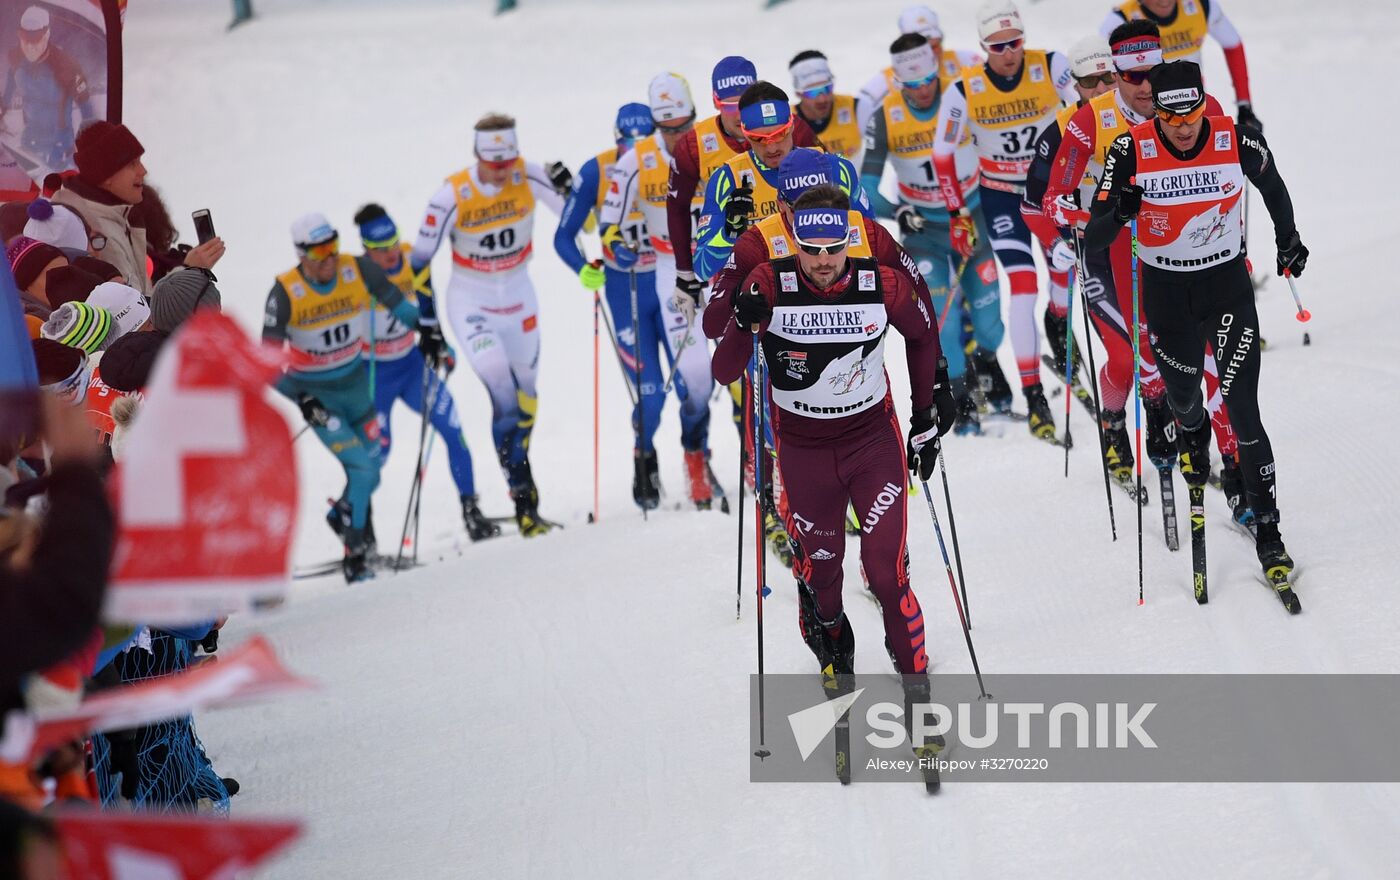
(1091, 82)
(773, 136)
(1004, 46)
(920, 83)
(1177, 119)
(1134, 77)
(323, 251)
(680, 127)
(816, 92)
(819, 250)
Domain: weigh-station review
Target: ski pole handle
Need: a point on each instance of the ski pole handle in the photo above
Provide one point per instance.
(1304, 315)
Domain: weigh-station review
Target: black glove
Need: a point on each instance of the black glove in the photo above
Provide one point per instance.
(559, 177)
(751, 308)
(910, 221)
(431, 343)
(313, 410)
(1129, 202)
(1244, 115)
(927, 425)
(737, 211)
(1292, 256)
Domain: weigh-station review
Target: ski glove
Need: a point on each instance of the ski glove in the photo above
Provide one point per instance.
(624, 253)
(560, 177)
(431, 343)
(313, 410)
(737, 211)
(686, 296)
(962, 231)
(1129, 202)
(751, 308)
(1244, 115)
(922, 450)
(1293, 256)
(1062, 257)
(910, 221)
(591, 275)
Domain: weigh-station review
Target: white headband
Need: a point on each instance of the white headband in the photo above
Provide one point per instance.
(914, 64)
(497, 146)
(810, 73)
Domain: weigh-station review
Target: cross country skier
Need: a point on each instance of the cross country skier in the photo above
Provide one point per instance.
(1006, 104)
(1184, 26)
(635, 199)
(902, 132)
(1072, 164)
(835, 429)
(831, 116)
(1182, 174)
(320, 310)
(399, 371)
(923, 21)
(488, 209)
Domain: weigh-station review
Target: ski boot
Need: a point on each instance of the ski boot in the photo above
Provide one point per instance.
(339, 517)
(1274, 559)
(992, 381)
(527, 504)
(773, 529)
(1232, 485)
(834, 644)
(1056, 329)
(917, 692)
(478, 526)
(967, 421)
(356, 564)
(1040, 421)
(646, 490)
(1194, 448)
(1161, 432)
(701, 492)
(1118, 451)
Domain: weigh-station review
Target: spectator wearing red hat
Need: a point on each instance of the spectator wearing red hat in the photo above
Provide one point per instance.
(109, 184)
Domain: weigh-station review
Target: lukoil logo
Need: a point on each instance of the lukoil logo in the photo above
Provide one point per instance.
(1067, 725)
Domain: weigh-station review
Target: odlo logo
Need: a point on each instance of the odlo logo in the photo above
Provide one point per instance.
(887, 497)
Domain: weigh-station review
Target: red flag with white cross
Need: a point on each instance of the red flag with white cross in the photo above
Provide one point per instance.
(122, 846)
(206, 491)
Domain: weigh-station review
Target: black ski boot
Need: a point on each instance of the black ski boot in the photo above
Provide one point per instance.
(967, 421)
(339, 517)
(917, 693)
(1041, 422)
(836, 654)
(527, 503)
(356, 564)
(992, 381)
(646, 487)
(1232, 485)
(1268, 544)
(1118, 451)
(478, 526)
(1194, 448)
(1161, 433)
(1056, 329)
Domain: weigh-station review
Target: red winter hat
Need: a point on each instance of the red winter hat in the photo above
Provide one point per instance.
(103, 149)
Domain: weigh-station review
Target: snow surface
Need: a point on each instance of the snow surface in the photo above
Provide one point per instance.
(579, 707)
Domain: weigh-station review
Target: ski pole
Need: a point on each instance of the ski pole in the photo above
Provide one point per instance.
(1069, 366)
(1080, 267)
(954, 288)
(739, 574)
(637, 370)
(617, 352)
(1137, 397)
(417, 486)
(953, 530)
(304, 428)
(597, 306)
(676, 358)
(759, 567)
(952, 584)
(1303, 314)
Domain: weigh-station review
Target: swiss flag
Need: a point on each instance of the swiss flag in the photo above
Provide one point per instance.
(206, 493)
(115, 846)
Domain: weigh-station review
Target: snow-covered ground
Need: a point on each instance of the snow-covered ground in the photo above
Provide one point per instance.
(578, 707)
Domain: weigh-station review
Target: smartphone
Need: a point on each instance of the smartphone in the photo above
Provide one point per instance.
(203, 225)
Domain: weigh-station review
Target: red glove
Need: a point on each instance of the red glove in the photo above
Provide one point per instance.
(962, 231)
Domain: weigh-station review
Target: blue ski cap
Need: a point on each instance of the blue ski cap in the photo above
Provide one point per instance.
(379, 231)
(732, 75)
(820, 225)
(765, 114)
(801, 170)
(633, 122)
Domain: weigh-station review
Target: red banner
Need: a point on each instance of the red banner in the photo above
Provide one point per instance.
(115, 846)
(206, 491)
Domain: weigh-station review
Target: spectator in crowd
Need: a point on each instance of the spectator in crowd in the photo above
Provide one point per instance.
(162, 239)
(109, 184)
(60, 226)
(30, 261)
